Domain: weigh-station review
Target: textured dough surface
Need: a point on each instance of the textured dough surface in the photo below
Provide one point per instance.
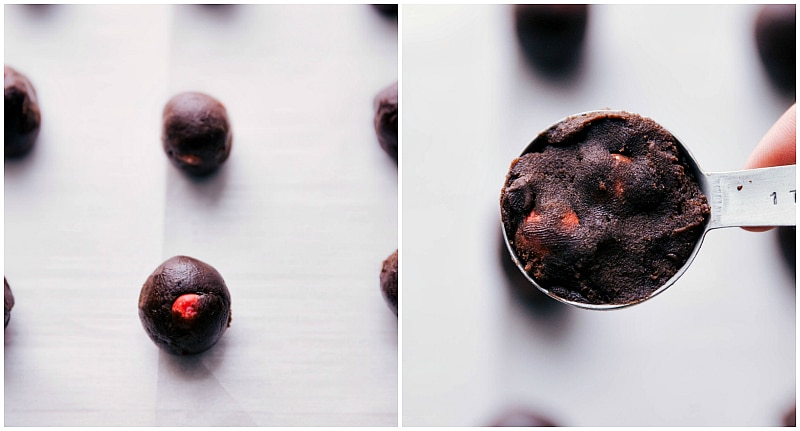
(389, 281)
(211, 316)
(604, 210)
(196, 133)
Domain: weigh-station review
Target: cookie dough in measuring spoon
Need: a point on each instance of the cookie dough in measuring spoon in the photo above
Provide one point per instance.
(606, 209)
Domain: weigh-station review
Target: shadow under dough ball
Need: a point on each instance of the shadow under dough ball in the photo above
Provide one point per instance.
(22, 116)
(196, 133)
(185, 306)
(775, 32)
(551, 36)
(8, 301)
(386, 113)
(389, 281)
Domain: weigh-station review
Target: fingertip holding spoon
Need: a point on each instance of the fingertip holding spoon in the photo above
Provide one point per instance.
(537, 240)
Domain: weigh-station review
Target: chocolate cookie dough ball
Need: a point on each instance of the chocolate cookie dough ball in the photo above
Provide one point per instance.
(389, 279)
(603, 208)
(8, 301)
(185, 306)
(790, 418)
(551, 36)
(386, 114)
(787, 241)
(22, 116)
(522, 418)
(387, 10)
(775, 38)
(196, 134)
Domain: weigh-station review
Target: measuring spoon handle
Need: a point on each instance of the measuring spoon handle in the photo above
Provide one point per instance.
(752, 197)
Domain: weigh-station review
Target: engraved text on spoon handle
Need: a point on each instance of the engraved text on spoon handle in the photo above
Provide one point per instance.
(753, 197)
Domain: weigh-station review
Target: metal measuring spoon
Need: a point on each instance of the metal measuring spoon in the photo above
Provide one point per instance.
(753, 197)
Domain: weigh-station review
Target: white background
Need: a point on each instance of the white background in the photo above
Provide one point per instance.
(717, 348)
(298, 221)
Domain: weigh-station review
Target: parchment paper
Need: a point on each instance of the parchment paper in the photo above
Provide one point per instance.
(297, 221)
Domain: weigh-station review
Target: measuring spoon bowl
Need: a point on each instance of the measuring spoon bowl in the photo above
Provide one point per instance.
(743, 198)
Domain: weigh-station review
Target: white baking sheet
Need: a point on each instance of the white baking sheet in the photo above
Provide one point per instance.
(297, 221)
(717, 348)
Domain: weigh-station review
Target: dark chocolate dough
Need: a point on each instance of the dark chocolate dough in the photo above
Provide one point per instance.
(8, 301)
(522, 290)
(775, 32)
(389, 279)
(787, 240)
(386, 119)
(387, 10)
(603, 209)
(185, 306)
(22, 116)
(196, 133)
(551, 36)
(790, 418)
(522, 418)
